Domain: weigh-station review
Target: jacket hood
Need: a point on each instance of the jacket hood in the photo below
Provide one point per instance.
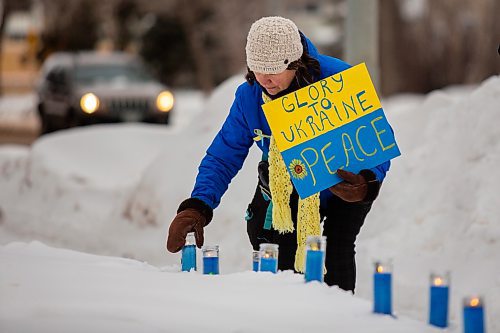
(309, 46)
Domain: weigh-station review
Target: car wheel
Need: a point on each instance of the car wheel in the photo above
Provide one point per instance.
(165, 119)
(70, 120)
(48, 124)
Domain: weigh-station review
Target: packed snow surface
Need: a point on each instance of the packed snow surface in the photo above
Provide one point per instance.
(80, 292)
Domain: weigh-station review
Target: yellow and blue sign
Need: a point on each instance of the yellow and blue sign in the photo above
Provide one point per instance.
(335, 123)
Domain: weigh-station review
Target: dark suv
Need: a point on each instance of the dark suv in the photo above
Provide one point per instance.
(91, 87)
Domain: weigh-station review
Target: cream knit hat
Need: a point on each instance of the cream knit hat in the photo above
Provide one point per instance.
(272, 44)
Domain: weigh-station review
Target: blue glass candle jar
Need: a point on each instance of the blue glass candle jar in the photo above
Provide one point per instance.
(255, 261)
(210, 259)
(188, 257)
(268, 257)
(315, 258)
(473, 315)
(438, 300)
(382, 288)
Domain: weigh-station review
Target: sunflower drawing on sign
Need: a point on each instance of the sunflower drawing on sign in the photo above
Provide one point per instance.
(297, 169)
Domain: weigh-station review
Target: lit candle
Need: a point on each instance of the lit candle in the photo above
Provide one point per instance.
(315, 258)
(438, 307)
(210, 259)
(188, 258)
(255, 261)
(473, 315)
(268, 257)
(382, 281)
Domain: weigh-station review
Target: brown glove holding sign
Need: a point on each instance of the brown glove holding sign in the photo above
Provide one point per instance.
(192, 216)
(356, 187)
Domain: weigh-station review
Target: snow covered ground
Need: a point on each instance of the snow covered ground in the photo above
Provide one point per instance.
(113, 190)
(80, 292)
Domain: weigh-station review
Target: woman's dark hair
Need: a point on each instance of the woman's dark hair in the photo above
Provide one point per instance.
(307, 70)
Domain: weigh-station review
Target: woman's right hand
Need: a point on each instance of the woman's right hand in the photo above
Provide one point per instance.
(186, 221)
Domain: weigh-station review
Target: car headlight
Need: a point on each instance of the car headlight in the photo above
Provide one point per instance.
(89, 103)
(165, 101)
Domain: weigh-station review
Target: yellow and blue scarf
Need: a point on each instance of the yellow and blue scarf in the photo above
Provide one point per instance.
(308, 217)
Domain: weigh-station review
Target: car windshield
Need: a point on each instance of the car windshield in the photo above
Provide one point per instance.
(90, 74)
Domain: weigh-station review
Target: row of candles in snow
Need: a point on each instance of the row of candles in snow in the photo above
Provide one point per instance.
(473, 306)
(266, 260)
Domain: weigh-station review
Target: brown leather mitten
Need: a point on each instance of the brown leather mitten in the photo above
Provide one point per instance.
(189, 220)
(356, 187)
(192, 215)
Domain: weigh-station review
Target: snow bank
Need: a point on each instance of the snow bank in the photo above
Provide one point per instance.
(439, 207)
(79, 292)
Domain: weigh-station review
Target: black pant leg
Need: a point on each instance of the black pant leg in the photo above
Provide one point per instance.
(341, 226)
(287, 242)
(256, 215)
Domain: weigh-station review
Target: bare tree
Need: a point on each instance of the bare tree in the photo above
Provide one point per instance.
(124, 11)
(5, 7)
(231, 22)
(190, 20)
(69, 25)
(448, 42)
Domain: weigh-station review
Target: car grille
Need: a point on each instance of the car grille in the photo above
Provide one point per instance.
(116, 106)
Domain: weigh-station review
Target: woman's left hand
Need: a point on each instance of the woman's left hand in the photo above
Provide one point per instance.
(353, 189)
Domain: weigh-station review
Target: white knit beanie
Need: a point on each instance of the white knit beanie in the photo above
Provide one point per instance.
(272, 44)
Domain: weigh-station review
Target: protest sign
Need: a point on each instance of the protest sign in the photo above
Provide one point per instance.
(335, 123)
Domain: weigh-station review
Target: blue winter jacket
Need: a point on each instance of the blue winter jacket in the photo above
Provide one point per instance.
(225, 156)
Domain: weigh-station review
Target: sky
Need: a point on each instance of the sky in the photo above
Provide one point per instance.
(84, 215)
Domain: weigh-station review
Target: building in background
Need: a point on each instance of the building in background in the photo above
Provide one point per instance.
(20, 40)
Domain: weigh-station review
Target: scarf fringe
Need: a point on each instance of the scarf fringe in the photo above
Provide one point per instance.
(308, 225)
